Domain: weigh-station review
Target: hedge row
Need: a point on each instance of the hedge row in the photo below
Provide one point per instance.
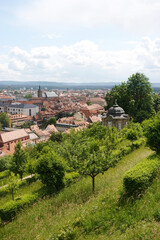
(10, 209)
(4, 190)
(138, 178)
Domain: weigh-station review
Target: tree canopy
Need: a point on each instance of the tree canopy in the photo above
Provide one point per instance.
(19, 160)
(152, 132)
(4, 119)
(51, 169)
(135, 97)
(28, 95)
(51, 120)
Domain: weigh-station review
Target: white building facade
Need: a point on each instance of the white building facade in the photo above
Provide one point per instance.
(19, 108)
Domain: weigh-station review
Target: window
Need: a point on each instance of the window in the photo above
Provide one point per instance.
(119, 125)
(110, 124)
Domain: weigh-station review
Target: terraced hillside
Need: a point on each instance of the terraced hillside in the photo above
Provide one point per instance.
(75, 213)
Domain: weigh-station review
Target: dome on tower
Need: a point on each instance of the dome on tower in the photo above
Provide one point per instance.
(116, 110)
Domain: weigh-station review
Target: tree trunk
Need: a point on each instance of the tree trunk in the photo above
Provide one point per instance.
(93, 183)
(12, 194)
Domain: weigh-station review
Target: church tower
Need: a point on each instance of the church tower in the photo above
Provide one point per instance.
(39, 92)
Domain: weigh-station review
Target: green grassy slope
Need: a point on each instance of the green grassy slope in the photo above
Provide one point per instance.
(97, 216)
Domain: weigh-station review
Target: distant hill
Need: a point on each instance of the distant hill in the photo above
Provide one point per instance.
(63, 85)
(56, 85)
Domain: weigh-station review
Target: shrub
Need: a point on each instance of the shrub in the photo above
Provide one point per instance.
(5, 162)
(132, 134)
(4, 174)
(136, 144)
(10, 209)
(140, 176)
(51, 169)
(3, 191)
(126, 150)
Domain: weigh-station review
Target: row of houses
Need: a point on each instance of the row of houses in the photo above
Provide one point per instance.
(31, 135)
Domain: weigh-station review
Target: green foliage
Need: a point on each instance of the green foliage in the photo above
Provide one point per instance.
(56, 137)
(4, 174)
(135, 97)
(131, 135)
(12, 184)
(152, 132)
(138, 178)
(19, 160)
(31, 165)
(51, 121)
(28, 95)
(4, 119)
(91, 217)
(5, 162)
(67, 233)
(70, 177)
(96, 130)
(156, 101)
(50, 168)
(89, 103)
(10, 209)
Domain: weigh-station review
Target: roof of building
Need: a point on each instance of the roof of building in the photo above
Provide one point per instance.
(49, 94)
(95, 119)
(18, 105)
(13, 135)
(51, 128)
(116, 110)
(33, 136)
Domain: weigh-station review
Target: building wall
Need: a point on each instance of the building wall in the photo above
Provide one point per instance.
(25, 111)
(118, 123)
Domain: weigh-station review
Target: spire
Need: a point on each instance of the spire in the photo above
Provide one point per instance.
(39, 92)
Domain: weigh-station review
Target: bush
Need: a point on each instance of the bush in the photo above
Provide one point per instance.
(5, 162)
(126, 150)
(3, 191)
(140, 176)
(152, 132)
(70, 178)
(136, 144)
(132, 134)
(10, 209)
(51, 169)
(4, 174)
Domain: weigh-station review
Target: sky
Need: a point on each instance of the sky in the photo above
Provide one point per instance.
(79, 40)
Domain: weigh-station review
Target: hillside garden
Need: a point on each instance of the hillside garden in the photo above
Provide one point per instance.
(89, 183)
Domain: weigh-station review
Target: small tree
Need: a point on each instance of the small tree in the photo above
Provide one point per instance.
(19, 160)
(28, 95)
(52, 120)
(91, 160)
(12, 184)
(51, 169)
(4, 119)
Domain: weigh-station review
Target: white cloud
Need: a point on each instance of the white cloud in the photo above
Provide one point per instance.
(138, 15)
(82, 61)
